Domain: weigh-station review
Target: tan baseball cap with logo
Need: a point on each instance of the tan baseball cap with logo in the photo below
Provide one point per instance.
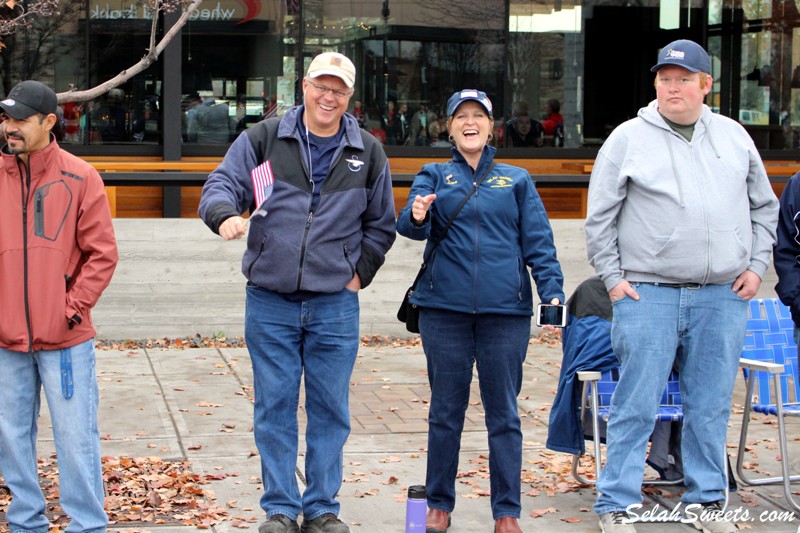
(333, 64)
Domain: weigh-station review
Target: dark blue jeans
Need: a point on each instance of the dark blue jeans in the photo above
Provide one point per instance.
(454, 343)
(317, 340)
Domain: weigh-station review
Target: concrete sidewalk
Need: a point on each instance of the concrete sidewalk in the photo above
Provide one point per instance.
(196, 404)
(175, 278)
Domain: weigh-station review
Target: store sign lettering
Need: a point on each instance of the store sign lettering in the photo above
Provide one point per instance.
(133, 12)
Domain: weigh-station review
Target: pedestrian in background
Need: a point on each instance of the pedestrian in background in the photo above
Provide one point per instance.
(421, 123)
(404, 125)
(57, 255)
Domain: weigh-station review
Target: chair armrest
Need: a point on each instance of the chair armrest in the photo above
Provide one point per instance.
(588, 375)
(752, 364)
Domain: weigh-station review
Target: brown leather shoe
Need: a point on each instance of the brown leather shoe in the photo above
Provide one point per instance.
(437, 521)
(507, 525)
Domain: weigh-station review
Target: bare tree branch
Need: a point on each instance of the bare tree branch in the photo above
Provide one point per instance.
(43, 8)
(148, 59)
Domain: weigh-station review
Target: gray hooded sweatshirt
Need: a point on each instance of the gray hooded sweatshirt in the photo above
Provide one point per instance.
(662, 209)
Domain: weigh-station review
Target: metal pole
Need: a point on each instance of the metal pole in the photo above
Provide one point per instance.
(385, 14)
(299, 46)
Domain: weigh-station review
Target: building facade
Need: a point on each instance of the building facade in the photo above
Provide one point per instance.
(236, 61)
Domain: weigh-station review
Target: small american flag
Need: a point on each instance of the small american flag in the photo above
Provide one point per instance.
(262, 185)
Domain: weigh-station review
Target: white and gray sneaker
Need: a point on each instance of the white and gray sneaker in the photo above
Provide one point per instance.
(616, 522)
(710, 519)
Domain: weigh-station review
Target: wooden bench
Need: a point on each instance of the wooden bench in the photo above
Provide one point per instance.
(145, 186)
(145, 173)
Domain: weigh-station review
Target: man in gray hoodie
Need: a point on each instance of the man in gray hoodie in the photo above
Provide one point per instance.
(681, 220)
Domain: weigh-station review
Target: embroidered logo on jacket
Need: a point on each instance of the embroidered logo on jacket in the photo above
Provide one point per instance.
(354, 164)
(449, 180)
(497, 182)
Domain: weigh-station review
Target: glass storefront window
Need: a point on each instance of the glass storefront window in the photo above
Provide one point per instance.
(115, 33)
(242, 60)
(231, 63)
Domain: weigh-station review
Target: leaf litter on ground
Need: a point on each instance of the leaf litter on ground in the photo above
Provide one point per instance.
(144, 491)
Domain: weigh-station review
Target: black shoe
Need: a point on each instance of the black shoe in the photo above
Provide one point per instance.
(327, 523)
(279, 523)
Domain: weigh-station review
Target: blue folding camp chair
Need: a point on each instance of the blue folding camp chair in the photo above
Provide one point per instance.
(769, 363)
(597, 390)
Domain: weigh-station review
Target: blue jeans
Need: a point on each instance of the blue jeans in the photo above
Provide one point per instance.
(77, 437)
(703, 329)
(316, 339)
(454, 343)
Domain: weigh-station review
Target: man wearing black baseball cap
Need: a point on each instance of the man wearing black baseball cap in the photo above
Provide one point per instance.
(57, 254)
(680, 224)
(26, 99)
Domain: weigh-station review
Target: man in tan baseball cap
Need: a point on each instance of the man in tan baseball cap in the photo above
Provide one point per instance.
(312, 168)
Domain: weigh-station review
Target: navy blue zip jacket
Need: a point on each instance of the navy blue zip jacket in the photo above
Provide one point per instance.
(291, 248)
(481, 265)
(787, 250)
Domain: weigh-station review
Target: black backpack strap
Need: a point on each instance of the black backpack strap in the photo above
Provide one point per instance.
(262, 136)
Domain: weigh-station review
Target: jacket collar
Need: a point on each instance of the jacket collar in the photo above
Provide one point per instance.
(38, 162)
(487, 156)
(288, 128)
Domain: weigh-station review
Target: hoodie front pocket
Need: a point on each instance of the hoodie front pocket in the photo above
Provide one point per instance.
(683, 256)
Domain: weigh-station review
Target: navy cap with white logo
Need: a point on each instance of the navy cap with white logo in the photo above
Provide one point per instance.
(684, 53)
(29, 98)
(460, 97)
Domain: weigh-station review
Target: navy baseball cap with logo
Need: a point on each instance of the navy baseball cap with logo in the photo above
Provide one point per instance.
(684, 53)
(460, 97)
(29, 98)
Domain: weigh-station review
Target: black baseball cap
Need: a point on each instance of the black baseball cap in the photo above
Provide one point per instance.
(29, 98)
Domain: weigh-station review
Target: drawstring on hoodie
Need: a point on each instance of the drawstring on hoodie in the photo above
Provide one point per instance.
(711, 140)
(667, 135)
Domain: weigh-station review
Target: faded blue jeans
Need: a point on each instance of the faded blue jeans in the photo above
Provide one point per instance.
(316, 339)
(455, 343)
(703, 329)
(77, 437)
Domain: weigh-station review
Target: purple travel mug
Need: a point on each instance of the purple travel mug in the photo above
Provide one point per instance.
(416, 507)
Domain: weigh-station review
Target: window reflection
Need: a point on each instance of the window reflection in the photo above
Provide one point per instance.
(241, 61)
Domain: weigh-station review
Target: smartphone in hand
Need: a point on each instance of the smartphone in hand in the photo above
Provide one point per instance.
(551, 315)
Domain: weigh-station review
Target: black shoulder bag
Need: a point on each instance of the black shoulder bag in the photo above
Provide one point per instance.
(408, 312)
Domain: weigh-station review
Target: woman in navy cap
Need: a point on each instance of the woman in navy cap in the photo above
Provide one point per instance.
(476, 301)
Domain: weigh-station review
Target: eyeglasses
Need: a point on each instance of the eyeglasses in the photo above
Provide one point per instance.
(324, 89)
